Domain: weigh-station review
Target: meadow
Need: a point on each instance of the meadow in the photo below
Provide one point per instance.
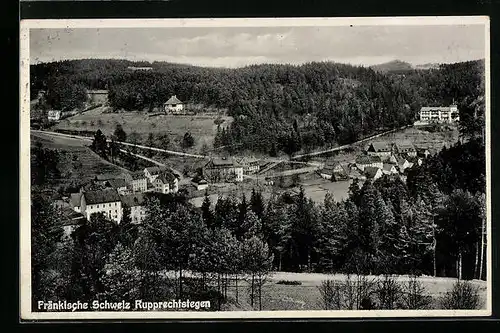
(77, 162)
(202, 127)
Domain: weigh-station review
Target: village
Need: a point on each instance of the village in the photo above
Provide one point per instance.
(215, 175)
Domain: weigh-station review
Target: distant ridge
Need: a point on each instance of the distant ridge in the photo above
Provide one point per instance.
(392, 66)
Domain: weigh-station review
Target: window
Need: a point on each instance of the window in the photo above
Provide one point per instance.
(97, 206)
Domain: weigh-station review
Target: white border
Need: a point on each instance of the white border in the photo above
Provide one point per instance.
(25, 189)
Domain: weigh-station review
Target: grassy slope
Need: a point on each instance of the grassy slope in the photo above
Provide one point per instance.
(202, 128)
(74, 152)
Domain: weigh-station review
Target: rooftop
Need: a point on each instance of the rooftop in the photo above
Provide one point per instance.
(199, 180)
(97, 91)
(221, 162)
(155, 170)
(173, 100)
(380, 146)
(75, 199)
(437, 108)
(370, 172)
(117, 183)
(367, 159)
(137, 175)
(101, 196)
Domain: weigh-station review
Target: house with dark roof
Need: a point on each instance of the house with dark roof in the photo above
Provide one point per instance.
(363, 161)
(250, 164)
(334, 171)
(118, 184)
(199, 183)
(136, 181)
(152, 172)
(401, 162)
(75, 201)
(107, 202)
(389, 169)
(219, 170)
(135, 202)
(382, 149)
(373, 173)
(405, 147)
(165, 183)
(71, 220)
(173, 105)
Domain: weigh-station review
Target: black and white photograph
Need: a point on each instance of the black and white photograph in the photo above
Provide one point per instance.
(255, 168)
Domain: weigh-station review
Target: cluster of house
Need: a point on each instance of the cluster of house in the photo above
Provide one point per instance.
(110, 195)
(379, 159)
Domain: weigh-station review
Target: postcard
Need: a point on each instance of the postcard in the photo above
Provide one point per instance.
(255, 168)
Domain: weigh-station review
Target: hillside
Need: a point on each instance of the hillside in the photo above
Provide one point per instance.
(277, 109)
(393, 66)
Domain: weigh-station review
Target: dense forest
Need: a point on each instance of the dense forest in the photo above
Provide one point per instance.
(276, 107)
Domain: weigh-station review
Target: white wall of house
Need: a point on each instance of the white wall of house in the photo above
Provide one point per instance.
(112, 210)
(239, 174)
(139, 185)
(174, 108)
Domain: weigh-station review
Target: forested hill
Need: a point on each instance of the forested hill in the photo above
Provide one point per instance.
(276, 107)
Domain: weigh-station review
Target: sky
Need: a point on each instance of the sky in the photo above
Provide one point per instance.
(241, 46)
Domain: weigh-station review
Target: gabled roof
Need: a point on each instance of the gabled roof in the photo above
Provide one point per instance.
(405, 145)
(117, 183)
(101, 196)
(166, 177)
(400, 159)
(330, 168)
(155, 170)
(371, 172)
(137, 175)
(70, 217)
(367, 159)
(132, 200)
(380, 146)
(75, 199)
(221, 163)
(388, 166)
(437, 108)
(249, 160)
(173, 100)
(199, 180)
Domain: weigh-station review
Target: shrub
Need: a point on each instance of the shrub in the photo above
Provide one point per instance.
(289, 283)
(414, 295)
(463, 295)
(388, 292)
(353, 293)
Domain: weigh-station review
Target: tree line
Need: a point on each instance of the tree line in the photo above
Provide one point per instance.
(277, 108)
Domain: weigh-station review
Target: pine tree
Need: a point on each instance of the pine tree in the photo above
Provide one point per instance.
(120, 278)
(206, 211)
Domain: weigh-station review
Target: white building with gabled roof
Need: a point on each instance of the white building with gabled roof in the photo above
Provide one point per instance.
(173, 105)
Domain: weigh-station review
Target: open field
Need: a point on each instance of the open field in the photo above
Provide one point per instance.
(317, 188)
(202, 127)
(306, 296)
(77, 161)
